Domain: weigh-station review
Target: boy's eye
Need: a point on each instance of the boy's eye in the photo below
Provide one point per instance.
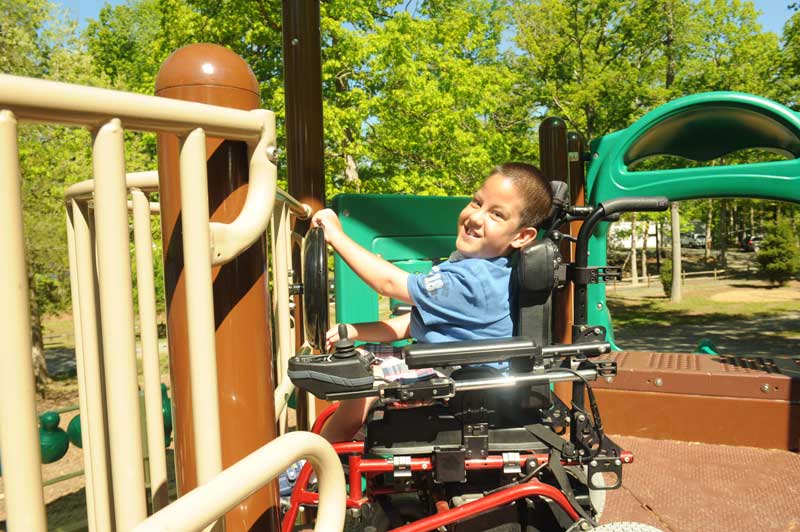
(499, 214)
(476, 202)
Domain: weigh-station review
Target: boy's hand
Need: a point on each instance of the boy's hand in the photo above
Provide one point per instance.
(328, 220)
(332, 336)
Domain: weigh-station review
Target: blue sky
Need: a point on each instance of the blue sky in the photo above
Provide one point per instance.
(774, 12)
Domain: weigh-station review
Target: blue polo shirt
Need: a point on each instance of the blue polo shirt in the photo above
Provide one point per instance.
(461, 299)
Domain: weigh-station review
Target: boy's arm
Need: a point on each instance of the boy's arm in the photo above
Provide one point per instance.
(388, 330)
(382, 276)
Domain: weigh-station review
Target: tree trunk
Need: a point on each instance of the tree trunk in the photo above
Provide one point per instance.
(644, 251)
(634, 274)
(40, 374)
(675, 221)
(709, 221)
(659, 244)
(723, 234)
(351, 172)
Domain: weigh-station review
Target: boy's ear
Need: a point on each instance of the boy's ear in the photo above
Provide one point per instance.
(524, 236)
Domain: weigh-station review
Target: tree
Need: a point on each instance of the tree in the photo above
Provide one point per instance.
(779, 256)
(444, 107)
(33, 43)
(124, 44)
(591, 62)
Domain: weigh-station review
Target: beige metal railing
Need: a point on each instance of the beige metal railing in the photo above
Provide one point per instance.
(202, 505)
(100, 273)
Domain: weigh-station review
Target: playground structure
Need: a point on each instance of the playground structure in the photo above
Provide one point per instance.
(206, 329)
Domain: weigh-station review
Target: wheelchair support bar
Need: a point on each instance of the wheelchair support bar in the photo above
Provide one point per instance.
(514, 380)
(494, 350)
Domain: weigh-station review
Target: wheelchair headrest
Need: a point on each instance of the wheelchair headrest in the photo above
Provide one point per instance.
(560, 191)
(560, 195)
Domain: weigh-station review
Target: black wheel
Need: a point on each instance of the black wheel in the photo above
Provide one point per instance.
(316, 320)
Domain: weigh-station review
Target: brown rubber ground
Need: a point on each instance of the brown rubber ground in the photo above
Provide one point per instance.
(695, 487)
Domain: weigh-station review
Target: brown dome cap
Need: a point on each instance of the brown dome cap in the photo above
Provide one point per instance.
(206, 64)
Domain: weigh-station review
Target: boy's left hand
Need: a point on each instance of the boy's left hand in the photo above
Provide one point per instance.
(332, 336)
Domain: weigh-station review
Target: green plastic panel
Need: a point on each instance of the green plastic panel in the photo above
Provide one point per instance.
(411, 231)
(699, 127)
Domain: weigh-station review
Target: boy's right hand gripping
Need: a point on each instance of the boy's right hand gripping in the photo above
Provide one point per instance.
(332, 336)
(328, 220)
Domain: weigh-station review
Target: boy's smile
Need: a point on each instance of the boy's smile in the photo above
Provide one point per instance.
(490, 225)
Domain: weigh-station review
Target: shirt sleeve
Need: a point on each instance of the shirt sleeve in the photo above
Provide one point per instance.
(448, 294)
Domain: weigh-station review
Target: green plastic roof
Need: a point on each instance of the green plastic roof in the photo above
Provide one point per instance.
(706, 132)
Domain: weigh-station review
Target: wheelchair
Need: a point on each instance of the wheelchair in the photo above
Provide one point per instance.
(479, 449)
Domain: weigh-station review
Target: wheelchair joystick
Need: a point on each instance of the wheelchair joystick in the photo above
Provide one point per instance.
(344, 346)
(344, 370)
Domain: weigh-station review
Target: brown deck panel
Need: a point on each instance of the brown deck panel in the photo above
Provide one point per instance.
(695, 487)
(748, 401)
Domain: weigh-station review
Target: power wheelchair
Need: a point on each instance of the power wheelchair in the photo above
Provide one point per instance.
(481, 450)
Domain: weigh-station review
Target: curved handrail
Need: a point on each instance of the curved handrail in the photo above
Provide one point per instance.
(230, 239)
(145, 181)
(204, 504)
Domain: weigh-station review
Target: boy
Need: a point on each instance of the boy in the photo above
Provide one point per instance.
(463, 298)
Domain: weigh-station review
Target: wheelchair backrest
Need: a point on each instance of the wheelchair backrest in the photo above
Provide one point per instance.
(537, 269)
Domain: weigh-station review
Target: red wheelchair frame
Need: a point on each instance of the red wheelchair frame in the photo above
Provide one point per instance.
(371, 467)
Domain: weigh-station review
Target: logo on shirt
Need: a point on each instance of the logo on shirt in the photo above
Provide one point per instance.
(433, 281)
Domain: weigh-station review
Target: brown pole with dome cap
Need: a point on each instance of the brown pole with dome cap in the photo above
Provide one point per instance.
(555, 167)
(212, 74)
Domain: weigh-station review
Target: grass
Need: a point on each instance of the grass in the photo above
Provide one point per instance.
(646, 307)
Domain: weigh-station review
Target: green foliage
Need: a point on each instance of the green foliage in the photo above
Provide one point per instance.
(422, 97)
(123, 43)
(779, 256)
(666, 277)
(444, 106)
(595, 64)
(22, 48)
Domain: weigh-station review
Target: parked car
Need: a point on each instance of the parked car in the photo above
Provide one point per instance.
(752, 243)
(698, 240)
(693, 240)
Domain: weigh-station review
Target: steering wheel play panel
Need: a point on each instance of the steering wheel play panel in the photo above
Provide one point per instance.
(411, 231)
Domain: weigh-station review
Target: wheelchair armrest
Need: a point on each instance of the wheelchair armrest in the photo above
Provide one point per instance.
(469, 352)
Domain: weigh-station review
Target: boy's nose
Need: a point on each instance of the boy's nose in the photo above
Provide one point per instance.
(476, 217)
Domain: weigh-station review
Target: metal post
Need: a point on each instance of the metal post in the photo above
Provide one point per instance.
(555, 166)
(304, 143)
(19, 435)
(116, 307)
(79, 366)
(148, 335)
(93, 418)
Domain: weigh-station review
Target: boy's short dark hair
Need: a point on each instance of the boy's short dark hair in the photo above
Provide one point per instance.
(537, 195)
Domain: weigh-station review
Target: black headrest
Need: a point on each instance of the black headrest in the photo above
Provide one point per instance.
(560, 192)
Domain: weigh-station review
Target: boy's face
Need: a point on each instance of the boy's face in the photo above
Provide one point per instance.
(490, 225)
